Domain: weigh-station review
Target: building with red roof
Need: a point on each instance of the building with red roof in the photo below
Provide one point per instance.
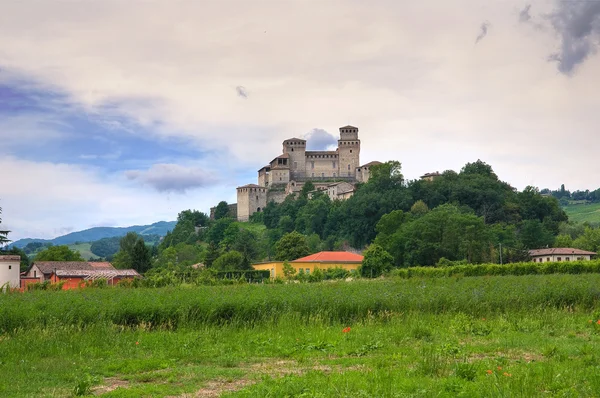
(322, 260)
(556, 254)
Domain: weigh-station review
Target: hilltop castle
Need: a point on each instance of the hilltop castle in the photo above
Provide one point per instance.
(336, 172)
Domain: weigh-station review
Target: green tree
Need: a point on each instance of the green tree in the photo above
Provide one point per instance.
(563, 241)
(3, 234)
(222, 210)
(246, 242)
(376, 261)
(534, 235)
(288, 270)
(291, 246)
(140, 256)
(105, 247)
(590, 240)
(230, 261)
(212, 253)
(58, 253)
(419, 208)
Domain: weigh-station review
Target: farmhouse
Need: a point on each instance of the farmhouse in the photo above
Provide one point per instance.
(559, 254)
(322, 260)
(74, 274)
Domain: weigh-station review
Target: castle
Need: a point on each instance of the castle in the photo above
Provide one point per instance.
(335, 172)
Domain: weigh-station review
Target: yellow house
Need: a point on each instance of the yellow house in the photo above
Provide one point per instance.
(322, 260)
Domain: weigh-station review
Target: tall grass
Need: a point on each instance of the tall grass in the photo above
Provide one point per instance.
(526, 268)
(337, 302)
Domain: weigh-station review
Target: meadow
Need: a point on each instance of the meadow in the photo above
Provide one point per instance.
(583, 212)
(490, 336)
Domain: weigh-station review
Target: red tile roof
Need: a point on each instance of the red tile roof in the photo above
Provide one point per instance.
(565, 251)
(342, 257)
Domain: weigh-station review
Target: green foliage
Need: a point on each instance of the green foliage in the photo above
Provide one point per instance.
(288, 270)
(376, 261)
(589, 240)
(106, 247)
(230, 261)
(3, 234)
(133, 253)
(222, 210)
(58, 253)
(291, 246)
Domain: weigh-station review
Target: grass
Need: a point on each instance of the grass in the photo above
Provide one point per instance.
(84, 249)
(589, 212)
(481, 336)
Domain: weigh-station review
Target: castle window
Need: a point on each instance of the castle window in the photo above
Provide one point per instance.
(348, 167)
(333, 164)
(256, 197)
(350, 150)
(295, 165)
(292, 149)
(312, 165)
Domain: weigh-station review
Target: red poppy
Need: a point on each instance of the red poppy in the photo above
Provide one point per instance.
(346, 330)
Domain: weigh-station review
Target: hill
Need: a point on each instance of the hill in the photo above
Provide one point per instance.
(582, 212)
(89, 235)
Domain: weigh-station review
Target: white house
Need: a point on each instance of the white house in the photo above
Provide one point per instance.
(10, 271)
(556, 254)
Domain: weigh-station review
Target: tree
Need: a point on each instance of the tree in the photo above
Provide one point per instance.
(230, 261)
(288, 270)
(419, 208)
(563, 241)
(376, 261)
(105, 247)
(291, 246)
(212, 253)
(3, 234)
(58, 253)
(246, 243)
(140, 256)
(590, 240)
(222, 210)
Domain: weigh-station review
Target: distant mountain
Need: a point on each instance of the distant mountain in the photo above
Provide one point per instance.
(90, 235)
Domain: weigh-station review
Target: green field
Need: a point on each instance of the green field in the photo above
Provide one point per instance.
(584, 212)
(83, 249)
(493, 336)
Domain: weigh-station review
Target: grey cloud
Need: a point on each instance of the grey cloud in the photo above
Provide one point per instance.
(241, 91)
(483, 31)
(319, 140)
(165, 177)
(524, 15)
(578, 25)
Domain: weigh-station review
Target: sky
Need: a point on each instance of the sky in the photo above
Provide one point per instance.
(118, 113)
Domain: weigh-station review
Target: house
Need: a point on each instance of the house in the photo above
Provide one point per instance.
(74, 273)
(43, 269)
(430, 176)
(340, 190)
(556, 254)
(9, 271)
(322, 260)
(74, 279)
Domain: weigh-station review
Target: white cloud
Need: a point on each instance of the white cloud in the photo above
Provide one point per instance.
(173, 177)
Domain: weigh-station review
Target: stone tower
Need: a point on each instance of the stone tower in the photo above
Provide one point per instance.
(296, 148)
(251, 198)
(349, 151)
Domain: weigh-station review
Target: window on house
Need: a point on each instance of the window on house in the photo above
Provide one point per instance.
(579, 258)
(35, 274)
(10, 267)
(558, 258)
(308, 270)
(567, 258)
(548, 259)
(272, 272)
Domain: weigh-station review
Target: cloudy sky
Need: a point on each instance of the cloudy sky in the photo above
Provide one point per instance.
(116, 113)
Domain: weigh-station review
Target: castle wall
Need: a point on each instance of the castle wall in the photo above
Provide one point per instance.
(276, 196)
(296, 149)
(322, 164)
(349, 157)
(279, 176)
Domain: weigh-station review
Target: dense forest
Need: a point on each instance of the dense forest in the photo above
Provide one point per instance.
(466, 217)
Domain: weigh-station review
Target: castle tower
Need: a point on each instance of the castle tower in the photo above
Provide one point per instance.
(250, 199)
(349, 151)
(296, 148)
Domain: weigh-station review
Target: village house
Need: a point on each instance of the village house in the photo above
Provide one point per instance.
(559, 254)
(322, 260)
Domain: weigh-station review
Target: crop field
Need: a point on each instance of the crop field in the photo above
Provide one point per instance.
(490, 336)
(584, 212)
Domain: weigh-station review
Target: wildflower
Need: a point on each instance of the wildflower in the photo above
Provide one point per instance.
(507, 374)
(598, 322)
(346, 330)
(137, 343)
(489, 371)
(499, 367)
